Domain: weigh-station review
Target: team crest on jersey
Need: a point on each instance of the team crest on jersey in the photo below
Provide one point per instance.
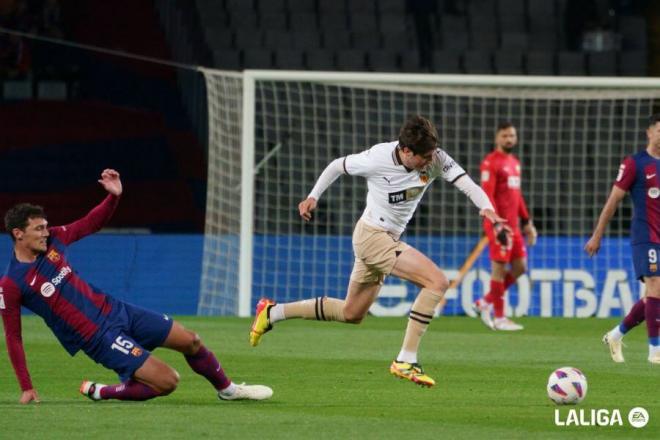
(53, 256)
(654, 192)
(136, 351)
(424, 177)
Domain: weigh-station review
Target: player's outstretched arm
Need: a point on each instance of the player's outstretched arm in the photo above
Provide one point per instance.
(593, 245)
(98, 216)
(10, 308)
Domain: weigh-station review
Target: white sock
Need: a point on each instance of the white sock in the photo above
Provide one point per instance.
(277, 313)
(615, 334)
(231, 389)
(654, 350)
(407, 356)
(97, 391)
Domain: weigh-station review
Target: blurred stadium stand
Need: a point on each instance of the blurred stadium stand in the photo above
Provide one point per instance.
(100, 110)
(539, 33)
(69, 113)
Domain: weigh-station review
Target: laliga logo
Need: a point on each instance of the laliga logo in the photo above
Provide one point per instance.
(48, 288)
(637, 417)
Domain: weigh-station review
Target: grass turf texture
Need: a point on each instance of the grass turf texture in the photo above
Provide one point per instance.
(332, 381)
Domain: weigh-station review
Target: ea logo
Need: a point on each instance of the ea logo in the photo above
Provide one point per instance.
(47, 289)
(654, 192)
(638, 417)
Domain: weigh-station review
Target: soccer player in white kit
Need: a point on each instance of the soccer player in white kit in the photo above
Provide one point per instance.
(398, 174)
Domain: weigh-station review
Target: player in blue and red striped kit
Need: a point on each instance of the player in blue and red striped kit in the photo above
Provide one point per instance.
(115, 334)
(639, 174)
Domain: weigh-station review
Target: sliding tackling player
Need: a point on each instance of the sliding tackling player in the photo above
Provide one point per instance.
(115, 334)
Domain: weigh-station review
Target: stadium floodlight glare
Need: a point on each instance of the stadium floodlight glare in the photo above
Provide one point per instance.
(271, 133)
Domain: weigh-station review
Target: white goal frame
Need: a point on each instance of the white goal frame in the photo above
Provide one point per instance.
(250, 77)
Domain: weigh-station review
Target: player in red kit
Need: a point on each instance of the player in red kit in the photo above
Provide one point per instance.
(115, 334)
(500, 179)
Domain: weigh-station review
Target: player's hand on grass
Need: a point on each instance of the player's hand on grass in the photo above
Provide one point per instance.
(306, 207)
(111, 182)
(530, 232)
(29, 396)
(592, 246)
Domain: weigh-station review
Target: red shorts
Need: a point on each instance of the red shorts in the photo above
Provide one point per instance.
(505, 254)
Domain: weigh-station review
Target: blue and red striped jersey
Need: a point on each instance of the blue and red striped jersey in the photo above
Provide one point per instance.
(640, 175)
(73, 309)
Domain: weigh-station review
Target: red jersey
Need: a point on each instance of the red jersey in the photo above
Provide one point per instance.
(500, 179)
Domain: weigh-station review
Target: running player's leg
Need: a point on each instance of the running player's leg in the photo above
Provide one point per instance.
(375, 254)
(417, 268)
(204, 362)
(652, 315)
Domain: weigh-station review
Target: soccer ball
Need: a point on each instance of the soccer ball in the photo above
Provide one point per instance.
(567, 386)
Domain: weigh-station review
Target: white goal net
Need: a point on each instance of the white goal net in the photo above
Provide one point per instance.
(272, 133)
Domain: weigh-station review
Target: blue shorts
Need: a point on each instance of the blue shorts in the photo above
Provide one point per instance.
(646, 258)
(131, 335)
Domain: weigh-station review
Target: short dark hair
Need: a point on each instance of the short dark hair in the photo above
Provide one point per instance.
(19, 216)
(419, 135)
(654, 119)
(504, 125)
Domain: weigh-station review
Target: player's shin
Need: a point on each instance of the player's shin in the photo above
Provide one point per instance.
(652, 314)
(129, 390)
(321, 308)
(634, 317)
(421, 314)
(206, 364)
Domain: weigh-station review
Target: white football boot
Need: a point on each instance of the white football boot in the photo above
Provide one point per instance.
(247, 392)
(616, 348)
(505, 324)
(484, 311)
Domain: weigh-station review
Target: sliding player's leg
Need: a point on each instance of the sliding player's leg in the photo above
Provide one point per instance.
(417, 268)
(203, 362)
(142, 375)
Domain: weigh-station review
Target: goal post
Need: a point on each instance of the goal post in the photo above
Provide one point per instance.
(271, 133)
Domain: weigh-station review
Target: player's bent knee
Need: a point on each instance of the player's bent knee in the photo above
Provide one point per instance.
(169, 383)
(439, 283)
(195, 343)
(352, 317)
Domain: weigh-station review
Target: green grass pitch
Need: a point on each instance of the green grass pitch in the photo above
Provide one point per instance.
(332, 381)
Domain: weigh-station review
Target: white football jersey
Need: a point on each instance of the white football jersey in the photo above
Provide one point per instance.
(393, 191)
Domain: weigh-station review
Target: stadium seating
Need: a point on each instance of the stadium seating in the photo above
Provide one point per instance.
(534, 26)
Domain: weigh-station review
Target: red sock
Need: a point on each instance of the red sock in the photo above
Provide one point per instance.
(206, 364)
(496, 297)
(129, 390)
